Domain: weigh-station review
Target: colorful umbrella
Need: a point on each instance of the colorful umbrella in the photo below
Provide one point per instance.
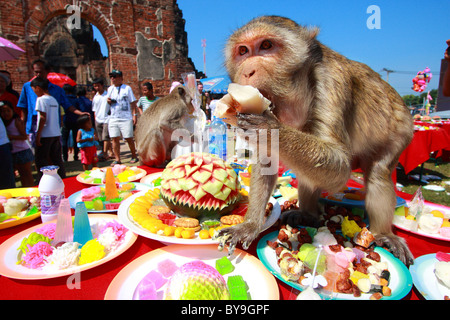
(59, 79)
(8, 50)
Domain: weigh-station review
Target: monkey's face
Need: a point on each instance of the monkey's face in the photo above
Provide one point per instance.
(266, 53)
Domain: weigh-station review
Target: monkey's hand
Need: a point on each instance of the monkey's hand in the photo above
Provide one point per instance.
(265, 120)
(244, 232)
(396, 246)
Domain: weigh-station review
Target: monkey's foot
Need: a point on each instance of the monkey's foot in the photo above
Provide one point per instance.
(296, 218)
(397, 246)
(244, 232)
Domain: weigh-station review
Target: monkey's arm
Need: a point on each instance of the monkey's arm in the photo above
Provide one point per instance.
(323, 162)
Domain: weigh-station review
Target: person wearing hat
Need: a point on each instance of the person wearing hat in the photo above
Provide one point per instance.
(121, 121)
(7, 96)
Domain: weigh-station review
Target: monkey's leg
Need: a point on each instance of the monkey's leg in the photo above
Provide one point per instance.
(261, 188)
(380, 205)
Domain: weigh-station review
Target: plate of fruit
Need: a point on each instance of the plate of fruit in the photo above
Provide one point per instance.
(198, 194)
(18, 205)
(178, 272)
(122, 173)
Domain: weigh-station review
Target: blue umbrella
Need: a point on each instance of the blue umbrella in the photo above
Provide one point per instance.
(218, 84)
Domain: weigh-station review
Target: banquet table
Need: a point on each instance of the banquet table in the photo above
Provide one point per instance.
(422, 145)
(94, 282)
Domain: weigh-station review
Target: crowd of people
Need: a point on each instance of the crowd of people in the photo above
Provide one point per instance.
(44, 123)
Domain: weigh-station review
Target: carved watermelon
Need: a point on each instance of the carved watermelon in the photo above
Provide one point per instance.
(200, 185)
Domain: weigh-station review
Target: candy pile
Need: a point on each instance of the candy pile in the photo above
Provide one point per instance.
(340, 251)
(121, 172)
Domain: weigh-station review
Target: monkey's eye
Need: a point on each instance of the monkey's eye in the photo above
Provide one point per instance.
(242, 50)
(265, 45)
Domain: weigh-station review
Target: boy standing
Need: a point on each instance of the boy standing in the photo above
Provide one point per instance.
(48, 145)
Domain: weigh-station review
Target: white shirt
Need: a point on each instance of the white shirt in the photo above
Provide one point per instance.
(121, 110)
(100, 107)
(50, 106)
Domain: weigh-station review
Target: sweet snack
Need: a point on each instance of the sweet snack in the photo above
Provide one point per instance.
(200, 185)
(108, 197)
(40, 251)
(187, 223)
(232, 219)
(242, 99)
(14, 208)
(196, 281)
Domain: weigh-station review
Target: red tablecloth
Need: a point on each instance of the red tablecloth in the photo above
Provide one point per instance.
(422, 144)
(95, 282)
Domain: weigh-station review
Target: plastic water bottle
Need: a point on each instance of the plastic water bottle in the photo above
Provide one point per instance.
(218, 138)
(51, 189)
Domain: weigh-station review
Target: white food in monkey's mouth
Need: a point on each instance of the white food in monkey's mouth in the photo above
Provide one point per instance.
(242, 99)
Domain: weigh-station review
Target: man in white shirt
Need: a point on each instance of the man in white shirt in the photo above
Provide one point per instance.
(122, 104)
(101, 110)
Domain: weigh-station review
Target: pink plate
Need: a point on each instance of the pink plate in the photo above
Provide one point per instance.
(261, 283)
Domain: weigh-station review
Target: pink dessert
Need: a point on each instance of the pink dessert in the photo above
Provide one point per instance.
(47, 230)
(167, 268)
(89, 194)
(37, 255)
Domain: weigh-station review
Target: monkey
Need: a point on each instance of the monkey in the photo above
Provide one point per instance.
(156, 125)
(332, 114)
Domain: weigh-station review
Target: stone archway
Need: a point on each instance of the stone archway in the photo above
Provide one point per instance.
(146, 39)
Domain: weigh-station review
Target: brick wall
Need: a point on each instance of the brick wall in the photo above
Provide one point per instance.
(159, 22)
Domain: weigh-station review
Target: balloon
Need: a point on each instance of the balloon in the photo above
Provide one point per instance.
(421, 79)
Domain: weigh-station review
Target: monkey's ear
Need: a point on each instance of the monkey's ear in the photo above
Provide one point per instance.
(181, 91)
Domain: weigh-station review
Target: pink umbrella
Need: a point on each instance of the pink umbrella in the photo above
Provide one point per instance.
(8, 50)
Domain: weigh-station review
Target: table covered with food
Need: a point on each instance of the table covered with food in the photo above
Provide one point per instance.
(152, 236)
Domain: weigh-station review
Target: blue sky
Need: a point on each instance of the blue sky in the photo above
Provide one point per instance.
(412, 34)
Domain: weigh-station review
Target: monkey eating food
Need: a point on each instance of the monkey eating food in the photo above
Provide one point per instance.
(156, 125)
(332, 114)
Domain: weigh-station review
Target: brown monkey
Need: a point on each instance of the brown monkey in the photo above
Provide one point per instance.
(157, 123)
(331, 114)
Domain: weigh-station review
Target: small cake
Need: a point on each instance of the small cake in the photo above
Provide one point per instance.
(196, 281)
(442, 272)
(88, 194)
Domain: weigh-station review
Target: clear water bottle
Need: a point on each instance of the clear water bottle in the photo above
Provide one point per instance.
(218, 138)
(51, 189)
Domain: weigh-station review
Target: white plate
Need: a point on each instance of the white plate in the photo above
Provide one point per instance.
(262, 285)
(422, 272)
(400, 281)
(148, 179)
(8, 254)
(128, 222)
(76, 197)
(419, 232)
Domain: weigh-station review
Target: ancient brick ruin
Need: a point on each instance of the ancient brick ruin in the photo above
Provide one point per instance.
(145, 39)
